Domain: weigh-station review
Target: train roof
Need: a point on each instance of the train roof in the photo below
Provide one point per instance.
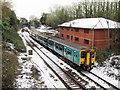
(67, 43)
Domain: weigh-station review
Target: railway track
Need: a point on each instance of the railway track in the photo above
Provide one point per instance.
(72, 82)
(64, 76)
(111, 85)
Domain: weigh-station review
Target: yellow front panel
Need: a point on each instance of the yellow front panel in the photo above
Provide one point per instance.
(88, 59)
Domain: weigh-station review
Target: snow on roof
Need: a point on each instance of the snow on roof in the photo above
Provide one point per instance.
(92, 23)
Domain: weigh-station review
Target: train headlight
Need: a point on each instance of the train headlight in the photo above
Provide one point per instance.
(92, 62)
(82, 62)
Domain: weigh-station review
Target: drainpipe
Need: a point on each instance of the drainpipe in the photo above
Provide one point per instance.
(92, 38)
(108, 35)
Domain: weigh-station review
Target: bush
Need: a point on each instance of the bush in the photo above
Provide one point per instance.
(11, 36)
(9, 65)
(102, 55)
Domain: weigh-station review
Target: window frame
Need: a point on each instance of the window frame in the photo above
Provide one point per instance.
(77, 40)
(82, 54)
(69, 52)
(62, 28)
(68, 28)
(68, 36)
(71, 29)
(85, 41)
(86, 31)
(71, 37)
(62, 35)
(76, 29)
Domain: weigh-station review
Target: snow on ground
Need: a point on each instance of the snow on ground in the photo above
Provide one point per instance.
(61, 63)
(100, 71)
(110, 70)
(33, 73)
(103, 72)
(11, 45)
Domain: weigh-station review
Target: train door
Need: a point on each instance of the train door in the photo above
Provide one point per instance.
(88, 58)
(74, 57)
(64, 52)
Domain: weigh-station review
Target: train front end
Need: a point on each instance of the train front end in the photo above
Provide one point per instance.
(87, 58)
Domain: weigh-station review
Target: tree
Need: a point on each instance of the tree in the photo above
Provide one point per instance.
(23, 22)
(119, 12)
(44, 18)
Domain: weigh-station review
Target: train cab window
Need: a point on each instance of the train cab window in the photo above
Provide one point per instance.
(82, 54)
(92, 54)
(69, 52)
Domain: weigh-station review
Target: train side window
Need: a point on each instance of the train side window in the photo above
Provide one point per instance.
(92, 54)
(56, 46)
(82, 54)
(45, 40)
(69, 52)
(60, 47)
(50, 43)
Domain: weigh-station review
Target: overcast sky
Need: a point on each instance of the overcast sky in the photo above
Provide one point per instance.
(27, 8)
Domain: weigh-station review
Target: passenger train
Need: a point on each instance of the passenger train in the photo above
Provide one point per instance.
(82, 57)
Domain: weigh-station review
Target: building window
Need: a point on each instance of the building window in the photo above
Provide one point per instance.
(67, 36)
(71, 37)
(62, 28)
(77, 29)
(62, 35)
(86, 31)
(76, 39)
(68, 28)
(71, 29)
(86, 41)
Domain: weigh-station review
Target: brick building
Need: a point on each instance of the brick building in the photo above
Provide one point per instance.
(96, 33)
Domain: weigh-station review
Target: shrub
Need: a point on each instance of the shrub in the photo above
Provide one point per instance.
(11, 36)
(9, 65)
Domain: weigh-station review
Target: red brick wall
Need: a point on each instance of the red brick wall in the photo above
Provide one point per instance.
(100, 37)
(79, 34)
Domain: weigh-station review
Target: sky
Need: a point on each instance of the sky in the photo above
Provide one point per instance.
(27, 8)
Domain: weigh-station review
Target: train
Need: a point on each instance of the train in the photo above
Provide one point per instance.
(81, 56)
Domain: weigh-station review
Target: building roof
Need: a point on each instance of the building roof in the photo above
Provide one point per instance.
(92, 23)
